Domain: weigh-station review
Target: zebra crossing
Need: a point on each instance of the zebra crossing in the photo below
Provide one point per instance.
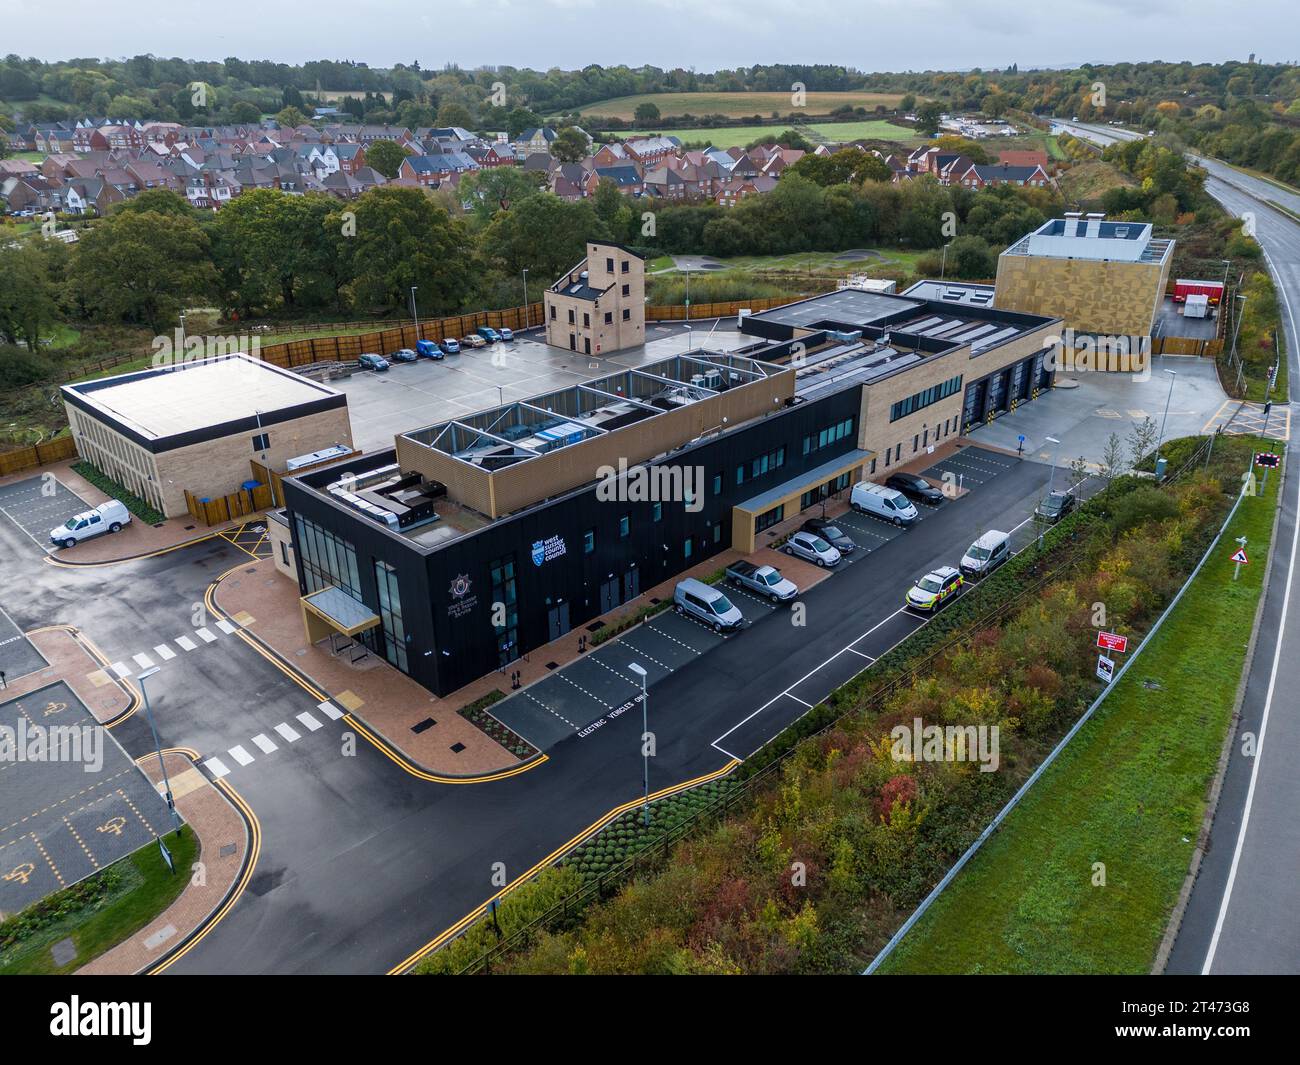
(125, 669)
(241, 756)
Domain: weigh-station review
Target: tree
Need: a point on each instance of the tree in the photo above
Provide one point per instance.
(404, 238)
(385, 156)
(142, 266)
(497, 188)
(971, 257)
(290, 118)
(1112, 458)
(452, 113)
(907, 102)
(243, 113)
(544, 234)
(27, 292)
(570, 145)
(646, 114)
(927, 117)
(1141, 439)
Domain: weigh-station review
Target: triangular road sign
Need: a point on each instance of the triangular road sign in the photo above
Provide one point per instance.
(1240, 555)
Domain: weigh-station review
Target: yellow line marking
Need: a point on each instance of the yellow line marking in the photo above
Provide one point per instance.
(77, 836)
(127, 799)
(449, 933)
(50, 861)
(51, 560)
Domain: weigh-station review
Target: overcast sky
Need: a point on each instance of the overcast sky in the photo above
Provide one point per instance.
(705, 34)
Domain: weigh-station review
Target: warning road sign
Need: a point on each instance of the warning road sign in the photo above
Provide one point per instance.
(1239, 556)
(1105, 668)
(1112, 641)
(1268, 459)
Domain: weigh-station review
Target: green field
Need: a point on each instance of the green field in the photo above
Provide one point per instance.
(739, 104)
(1128, 792)
(739, 136)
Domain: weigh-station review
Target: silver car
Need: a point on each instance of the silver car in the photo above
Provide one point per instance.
(812, 548)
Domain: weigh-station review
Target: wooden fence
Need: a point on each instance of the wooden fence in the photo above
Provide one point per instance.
(26, 458)
(219, 509)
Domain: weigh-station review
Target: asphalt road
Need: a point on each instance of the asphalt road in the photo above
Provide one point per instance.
(1243, 916)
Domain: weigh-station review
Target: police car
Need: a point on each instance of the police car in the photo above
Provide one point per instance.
(935, 589)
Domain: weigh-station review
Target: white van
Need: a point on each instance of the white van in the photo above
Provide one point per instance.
(107, 517)
(705, 603)
(986, 554)
(869, 498)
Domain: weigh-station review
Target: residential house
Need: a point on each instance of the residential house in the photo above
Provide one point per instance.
(982, 177)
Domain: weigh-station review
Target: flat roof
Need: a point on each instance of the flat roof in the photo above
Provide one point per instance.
(847, 308)
(959, 292)
(192, 400)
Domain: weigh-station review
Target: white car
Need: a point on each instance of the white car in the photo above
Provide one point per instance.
(105, 518)
(813, 548)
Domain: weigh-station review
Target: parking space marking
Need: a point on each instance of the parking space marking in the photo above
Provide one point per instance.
(185, 643)
(287, 732)
(216, 767)
(77, 836)
(589, 695)
(642, 654)
(620, 676)
(550, 711)
(240, 755)
(264, 744)
(309, 722)
(164, 652)
(854, 650)
(667, 636)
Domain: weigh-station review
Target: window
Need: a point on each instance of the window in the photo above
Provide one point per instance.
(626, 266)
(686, 548)
(717, 484)
(624, 526)
(657, 512)
(609, 266)
(773, 460)
(326, 559)
(390, 615)
(262, 442)
(627, 290)
(571, 319)
(916, 442)
(769, 518)
(923, 399)
(873, 466)
(586, 321)
(505, 591)
(830, 435)
(609, 317)
(552, 312)
(627, 315)
(589, 541)
(717, 532)
(284, 552)
(740, 474)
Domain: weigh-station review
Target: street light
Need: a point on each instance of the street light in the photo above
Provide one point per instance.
(415, 314)
(527, 317)
(1051, 480)
(1164, 417)
(148, 713)
(943, 266)
(645, 751)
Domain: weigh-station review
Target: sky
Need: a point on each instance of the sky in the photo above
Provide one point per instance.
(870, 35)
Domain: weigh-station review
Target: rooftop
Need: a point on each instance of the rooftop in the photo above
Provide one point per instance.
(1091, 237)
(194, 395)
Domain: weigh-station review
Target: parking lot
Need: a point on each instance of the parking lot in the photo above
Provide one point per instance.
(578, 699)
(37, 504)
(414, 394)
(74, 812)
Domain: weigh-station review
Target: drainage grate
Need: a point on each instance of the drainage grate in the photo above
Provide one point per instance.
(552, 665)
(456, 748)
(228, 850)
(595, 626)
(422, 726)
(189, 528)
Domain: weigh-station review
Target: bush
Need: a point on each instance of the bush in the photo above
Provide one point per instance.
(20, 367)
(110, 487)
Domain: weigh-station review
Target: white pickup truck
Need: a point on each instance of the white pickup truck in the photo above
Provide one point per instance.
(763, 580)
(107, 517)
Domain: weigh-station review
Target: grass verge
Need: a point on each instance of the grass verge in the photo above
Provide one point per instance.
(99, 912)
(1129, 792)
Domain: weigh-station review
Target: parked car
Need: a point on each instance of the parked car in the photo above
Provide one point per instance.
(1055, 505)
(812, 548)
(831, 533)
(915, 487)
(107, 517)
(986, 554)
(935, 590)
(706, 604)
(507, 334)
(488, 333)
(474, 341)
(450, 346)
(887, 503)
(763, 580)
(402, 355)
(428, 348)
(372, 361)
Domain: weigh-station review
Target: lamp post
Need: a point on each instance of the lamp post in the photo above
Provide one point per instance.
(148, 713)
(527, 317)
(943, 266)
(1240, 311)
(415, 316)
(645, 751)
(180, 355)
(1051, 480)
(1173, 374)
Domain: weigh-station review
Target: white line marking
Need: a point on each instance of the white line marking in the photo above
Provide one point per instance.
(550, 711)
(309, 722)
(1263, 721)
(725, 751)
(266, 745)
(216, 767)
(853, 650)
(287, 731)
(206, 636)
(798, 700)
(225, 626)
(240, 755)
(164, 652)
(329, 710)
(121, 669)
(143, 660)
(185, 643)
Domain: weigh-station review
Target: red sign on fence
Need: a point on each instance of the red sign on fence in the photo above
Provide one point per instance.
(1112, 641)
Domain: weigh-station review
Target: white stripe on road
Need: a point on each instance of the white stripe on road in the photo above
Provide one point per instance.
(309, 722)
(240, 755)
(164, 652)
(266, 745)
(185, 643)
(329, 710)
(225, 626)
(216, 767)
(287, 731)
(206, 635)
(143, 660)
(121, 669)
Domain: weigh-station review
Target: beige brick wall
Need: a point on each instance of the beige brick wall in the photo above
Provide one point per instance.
(1090, 295)
(604, 337)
